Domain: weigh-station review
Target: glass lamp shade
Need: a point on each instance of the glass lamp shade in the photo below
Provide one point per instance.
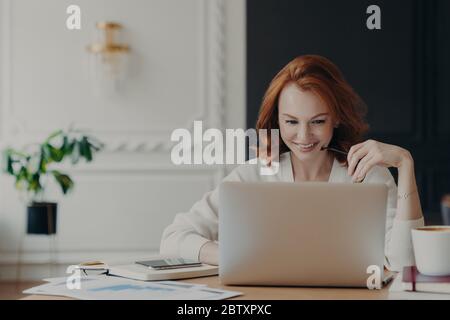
(107, 71)
(108, 60)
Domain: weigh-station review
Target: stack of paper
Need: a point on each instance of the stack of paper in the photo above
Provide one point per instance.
(104, 287)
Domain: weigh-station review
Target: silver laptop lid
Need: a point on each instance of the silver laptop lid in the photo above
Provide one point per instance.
(308, 234)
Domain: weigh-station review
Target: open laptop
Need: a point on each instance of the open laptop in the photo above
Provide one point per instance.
(300, 234)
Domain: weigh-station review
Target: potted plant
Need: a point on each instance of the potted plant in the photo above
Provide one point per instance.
(34, 167)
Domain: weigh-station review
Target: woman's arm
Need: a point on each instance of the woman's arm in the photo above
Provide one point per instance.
(408, 201)
(363, 156)
(192, 234)
(404, 211)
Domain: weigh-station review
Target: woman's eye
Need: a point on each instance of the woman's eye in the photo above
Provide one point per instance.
(318, 121)
(291, 121)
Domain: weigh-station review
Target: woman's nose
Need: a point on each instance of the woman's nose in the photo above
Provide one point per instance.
(303, 133)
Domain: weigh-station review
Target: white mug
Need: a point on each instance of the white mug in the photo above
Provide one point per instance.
(432, 250)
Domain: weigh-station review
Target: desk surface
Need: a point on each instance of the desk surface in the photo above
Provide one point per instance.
(275, 293)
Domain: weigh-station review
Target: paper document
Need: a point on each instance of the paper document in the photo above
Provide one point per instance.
(114, 288)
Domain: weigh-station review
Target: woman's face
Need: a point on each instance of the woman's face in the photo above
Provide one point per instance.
(305, 122)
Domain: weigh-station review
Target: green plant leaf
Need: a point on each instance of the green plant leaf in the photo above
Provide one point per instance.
(55, 154)
(34, 183)
(28, 168)
(7, 163)
(86, 147)
(42, 163)
(65, 144)
(64, 181)
(54, 135)
(70, 147)
(75, 155)
(23, 174)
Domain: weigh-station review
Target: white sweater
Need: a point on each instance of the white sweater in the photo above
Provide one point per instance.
(191, 230)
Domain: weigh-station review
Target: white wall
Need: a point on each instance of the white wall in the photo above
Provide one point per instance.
(187, 62)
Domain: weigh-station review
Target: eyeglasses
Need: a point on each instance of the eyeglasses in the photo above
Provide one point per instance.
(94, 268)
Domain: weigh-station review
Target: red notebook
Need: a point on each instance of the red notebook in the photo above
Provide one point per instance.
(413, 280)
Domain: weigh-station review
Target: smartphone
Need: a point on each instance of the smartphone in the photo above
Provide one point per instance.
(169, 263)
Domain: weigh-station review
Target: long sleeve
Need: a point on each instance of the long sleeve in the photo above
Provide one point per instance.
(191, 230)
(398, 243)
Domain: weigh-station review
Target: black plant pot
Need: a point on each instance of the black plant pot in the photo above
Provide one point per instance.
(42, 218)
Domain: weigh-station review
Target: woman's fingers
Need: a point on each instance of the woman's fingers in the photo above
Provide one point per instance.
(353, 149)
(364, 169)
(359, 174)
(354, 159)
(360, 165)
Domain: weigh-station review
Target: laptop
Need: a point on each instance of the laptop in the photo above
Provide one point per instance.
(301, 234)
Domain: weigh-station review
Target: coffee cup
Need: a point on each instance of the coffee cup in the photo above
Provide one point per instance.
(432, 250)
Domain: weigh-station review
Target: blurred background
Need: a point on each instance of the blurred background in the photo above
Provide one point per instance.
(186, 62)
(176, 61)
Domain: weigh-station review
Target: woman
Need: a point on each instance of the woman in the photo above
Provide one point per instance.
(313, 107)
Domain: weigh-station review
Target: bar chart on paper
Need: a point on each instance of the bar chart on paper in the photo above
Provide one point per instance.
(115, 288)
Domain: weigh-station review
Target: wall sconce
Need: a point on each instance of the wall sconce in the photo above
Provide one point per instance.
(108, 59)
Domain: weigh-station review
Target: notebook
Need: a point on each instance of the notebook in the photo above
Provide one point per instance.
(397, 292)
(140, 272)
(413, 280)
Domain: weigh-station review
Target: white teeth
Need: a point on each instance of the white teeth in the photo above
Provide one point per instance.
(305, 145)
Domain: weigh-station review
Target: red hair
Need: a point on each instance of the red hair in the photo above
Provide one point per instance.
(320, 76)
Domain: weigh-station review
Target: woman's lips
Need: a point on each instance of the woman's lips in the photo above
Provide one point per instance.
(306, 147)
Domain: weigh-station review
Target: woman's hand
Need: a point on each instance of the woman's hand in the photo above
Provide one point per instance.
(363, 156)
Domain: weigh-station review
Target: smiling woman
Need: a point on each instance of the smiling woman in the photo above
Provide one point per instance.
(317, 85)
(313, 106)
